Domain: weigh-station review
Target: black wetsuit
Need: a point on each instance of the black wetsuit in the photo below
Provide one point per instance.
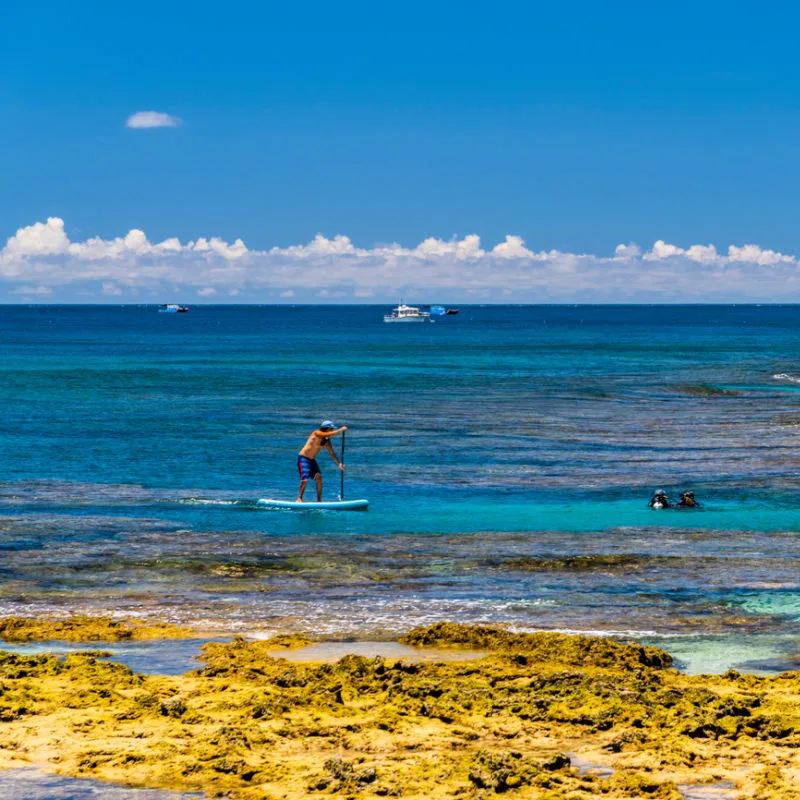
(661, 500)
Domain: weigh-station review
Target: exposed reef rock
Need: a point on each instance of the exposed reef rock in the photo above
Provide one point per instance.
(289, 641)
(249, 726)
(539, 647)
(87, 629)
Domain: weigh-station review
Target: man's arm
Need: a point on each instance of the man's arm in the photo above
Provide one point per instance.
(329, 448)
(327, 434)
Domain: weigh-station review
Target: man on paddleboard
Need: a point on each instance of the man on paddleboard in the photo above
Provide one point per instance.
(307, 459)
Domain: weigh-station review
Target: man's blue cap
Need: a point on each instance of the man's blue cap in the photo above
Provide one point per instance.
(327, 424)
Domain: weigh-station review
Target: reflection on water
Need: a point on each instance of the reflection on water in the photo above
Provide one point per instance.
(30, 783)
(157, 657)
(716, 791)
(330, 652)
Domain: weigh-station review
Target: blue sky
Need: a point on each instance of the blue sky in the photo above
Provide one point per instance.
(576, 126)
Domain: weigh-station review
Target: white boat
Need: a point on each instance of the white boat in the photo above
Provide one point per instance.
(404, 313)
(172, 308)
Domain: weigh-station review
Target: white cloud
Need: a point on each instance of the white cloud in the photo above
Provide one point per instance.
(28, 290)
(512, 247)
(320, 246)
(41, 258)
(703, 253)
(468, 248)
(754, 254)
(152, 119)
(662, 250)
(39, 239)
(222, 248)
(630, 250)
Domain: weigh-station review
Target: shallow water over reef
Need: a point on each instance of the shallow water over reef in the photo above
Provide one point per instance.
(30, 783)
(156, 657)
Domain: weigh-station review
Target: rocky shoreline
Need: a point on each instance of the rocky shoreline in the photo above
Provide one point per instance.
(525, 719)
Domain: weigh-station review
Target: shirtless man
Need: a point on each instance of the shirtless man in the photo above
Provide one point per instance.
(307, 459)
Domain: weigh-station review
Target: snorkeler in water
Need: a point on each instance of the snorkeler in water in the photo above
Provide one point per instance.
(687, 500)
(659, 500)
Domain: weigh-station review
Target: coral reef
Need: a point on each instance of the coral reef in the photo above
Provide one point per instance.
(593, 561)
(707, 390)
(249, 726)
(87, 629)
(289, 641)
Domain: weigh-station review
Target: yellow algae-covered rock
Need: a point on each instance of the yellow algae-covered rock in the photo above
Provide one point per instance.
(249, 725)
(289, 641)
(776, 783)
(87, 629)
(553, 647)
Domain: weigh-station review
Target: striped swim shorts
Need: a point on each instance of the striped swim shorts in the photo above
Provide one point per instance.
(307, 467)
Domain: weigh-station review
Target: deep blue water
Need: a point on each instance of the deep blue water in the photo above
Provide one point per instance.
(134, 446)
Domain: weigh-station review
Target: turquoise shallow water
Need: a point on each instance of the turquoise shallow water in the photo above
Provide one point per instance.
(495, 447)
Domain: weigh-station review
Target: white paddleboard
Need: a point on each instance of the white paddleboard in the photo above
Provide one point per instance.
(338, 505)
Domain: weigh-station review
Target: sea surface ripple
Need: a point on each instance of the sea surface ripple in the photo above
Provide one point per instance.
(508, 454)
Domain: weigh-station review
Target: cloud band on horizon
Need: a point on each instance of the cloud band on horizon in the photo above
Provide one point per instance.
(41, 261)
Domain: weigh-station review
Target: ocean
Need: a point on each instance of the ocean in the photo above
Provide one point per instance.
(508, 454)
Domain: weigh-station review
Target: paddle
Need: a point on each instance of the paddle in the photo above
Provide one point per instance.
(341, 471)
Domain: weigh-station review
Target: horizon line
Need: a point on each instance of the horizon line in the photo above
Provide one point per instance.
(751, 304)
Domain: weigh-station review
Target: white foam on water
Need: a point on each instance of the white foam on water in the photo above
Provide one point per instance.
(210, 501)
(607, 633)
